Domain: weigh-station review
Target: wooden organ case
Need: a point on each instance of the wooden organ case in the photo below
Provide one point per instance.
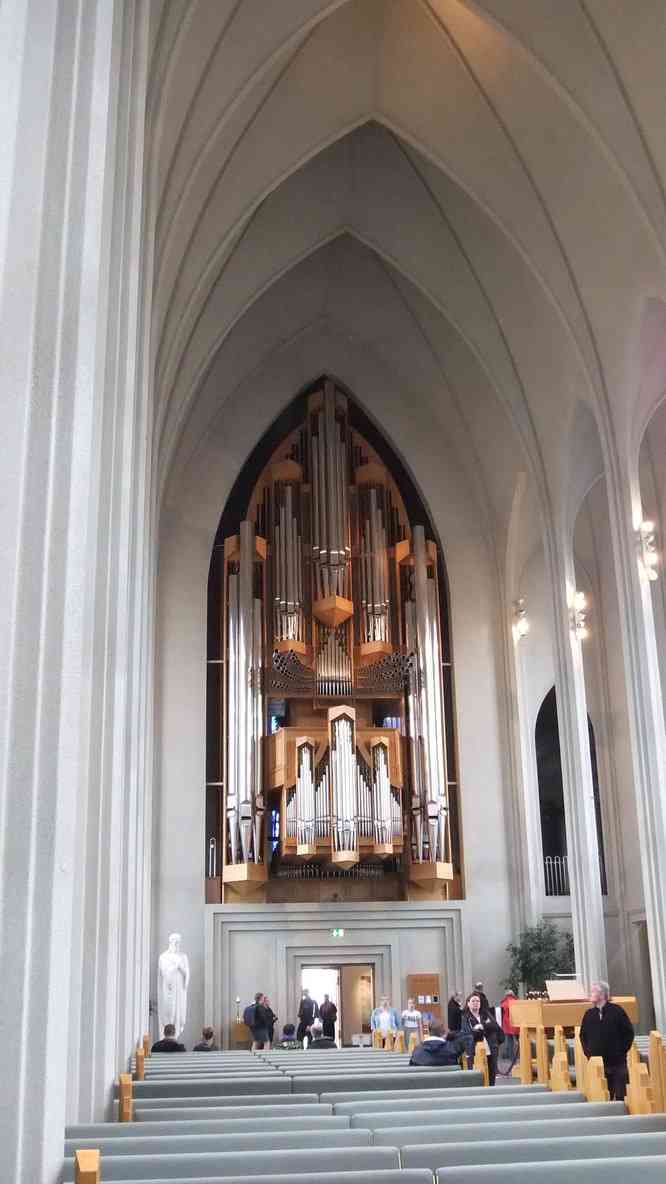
(334, 738)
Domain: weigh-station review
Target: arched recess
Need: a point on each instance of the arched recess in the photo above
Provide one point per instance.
(379, 701)
(408, 397)
(551, 799)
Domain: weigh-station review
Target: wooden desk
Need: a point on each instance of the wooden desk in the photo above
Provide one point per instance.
(531, 1013)
(241, 1036)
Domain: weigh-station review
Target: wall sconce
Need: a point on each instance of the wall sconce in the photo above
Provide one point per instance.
(648, 557)
(578, 616)
(521, 625)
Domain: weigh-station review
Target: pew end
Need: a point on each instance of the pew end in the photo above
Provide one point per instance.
(125, 1097)
(87, 1167)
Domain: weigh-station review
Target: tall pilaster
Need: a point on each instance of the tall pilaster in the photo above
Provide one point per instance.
(646, 718)
(71, 533)
(582, 842)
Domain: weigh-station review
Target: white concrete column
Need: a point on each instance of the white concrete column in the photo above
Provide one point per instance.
(71, 534)
(582, 842)
(646, 717)
(530, 849)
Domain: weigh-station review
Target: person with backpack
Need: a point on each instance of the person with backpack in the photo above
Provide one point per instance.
(256, 1018)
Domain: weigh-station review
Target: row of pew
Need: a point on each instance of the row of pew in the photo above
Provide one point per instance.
(357, 1117)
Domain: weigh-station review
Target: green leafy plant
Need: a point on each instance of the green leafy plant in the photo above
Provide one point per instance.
(540, 952)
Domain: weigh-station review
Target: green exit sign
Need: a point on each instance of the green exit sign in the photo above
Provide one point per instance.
(337, 932)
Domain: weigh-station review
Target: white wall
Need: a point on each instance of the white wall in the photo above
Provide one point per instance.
(253, 948)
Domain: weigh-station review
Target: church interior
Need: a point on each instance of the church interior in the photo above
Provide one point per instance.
(333, 362)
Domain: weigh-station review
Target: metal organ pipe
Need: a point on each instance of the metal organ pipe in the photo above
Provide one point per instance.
(305, 796)
(245, 707)
(381, 794)
(287, 569)
(374, 572)
(432, 715)
(232, 718)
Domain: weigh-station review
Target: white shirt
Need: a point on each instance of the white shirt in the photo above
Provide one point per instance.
(411, 1019)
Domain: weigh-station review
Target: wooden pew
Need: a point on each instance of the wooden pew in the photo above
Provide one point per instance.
(481, 1062)
(125, 1098)
(657, 1063)
(399, 1042)
(640, 1095)
(377, 1041)
(146, 1045)
(559, 1072)
(413, 1041)
(140, 1063)
(87, 1167)
(596, 1086)
(580, 1061)
(560, 1078)
(388, 1042)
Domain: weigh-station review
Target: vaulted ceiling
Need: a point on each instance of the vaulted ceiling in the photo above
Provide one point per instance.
(473, 193)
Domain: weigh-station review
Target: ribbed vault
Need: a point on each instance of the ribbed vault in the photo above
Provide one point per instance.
(518, 219)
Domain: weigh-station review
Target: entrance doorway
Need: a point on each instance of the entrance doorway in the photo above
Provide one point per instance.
(351, 988)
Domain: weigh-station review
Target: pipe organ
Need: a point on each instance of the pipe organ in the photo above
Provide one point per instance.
(333, 711)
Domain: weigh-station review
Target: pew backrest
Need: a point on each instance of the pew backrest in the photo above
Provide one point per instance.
(597, 1171)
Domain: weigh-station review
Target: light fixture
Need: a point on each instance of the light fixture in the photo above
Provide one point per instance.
(578, 616)
(521, 625)
(648, 557)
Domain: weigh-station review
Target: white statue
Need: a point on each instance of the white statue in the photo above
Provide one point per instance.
(173, 975)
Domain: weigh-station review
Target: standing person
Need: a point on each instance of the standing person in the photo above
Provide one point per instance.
(510, 1030)
(168, 1043)
(440, 1048)
(384, 1018)
(328, 1014)
(256, 1018)
(207, 1044)
(455, 1012)
(412, 1021)
(479, 1025)
(307, 1012)
(272, 1019)
(607, 1032)
(478, 990)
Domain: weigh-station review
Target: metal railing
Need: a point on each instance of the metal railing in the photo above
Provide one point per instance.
(556, 869)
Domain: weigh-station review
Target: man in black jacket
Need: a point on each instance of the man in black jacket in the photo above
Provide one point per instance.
(307, 1012)
(607, 1032)
(168, 1043)
(440, 1048)
(328, 1014)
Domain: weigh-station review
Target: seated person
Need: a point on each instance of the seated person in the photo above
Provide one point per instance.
(289, 1037)
(208, 1043)
(317, 1038)
(440, 1048)
(168, 1043)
